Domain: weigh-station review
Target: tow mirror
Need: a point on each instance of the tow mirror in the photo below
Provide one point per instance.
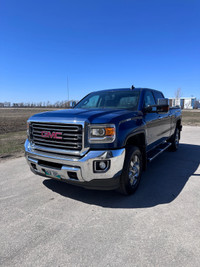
(163, 105)
(163, 102)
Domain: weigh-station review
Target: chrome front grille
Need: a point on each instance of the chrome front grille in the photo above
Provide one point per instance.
(56, 135)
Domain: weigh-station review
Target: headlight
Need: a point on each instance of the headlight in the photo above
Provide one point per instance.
(28, 127)
(104, 133)
(29, 130)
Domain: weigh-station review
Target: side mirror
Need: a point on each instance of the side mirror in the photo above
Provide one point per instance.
(163, 102)
(163, 105)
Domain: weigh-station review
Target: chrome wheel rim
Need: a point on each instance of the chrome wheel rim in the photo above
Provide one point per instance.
(134, 170)
(177, 138)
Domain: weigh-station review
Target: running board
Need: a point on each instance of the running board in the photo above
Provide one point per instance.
(157, 151)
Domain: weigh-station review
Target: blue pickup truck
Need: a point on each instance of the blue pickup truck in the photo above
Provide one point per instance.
(105, 141)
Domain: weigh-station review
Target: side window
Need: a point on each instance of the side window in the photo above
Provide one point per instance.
(149, 99)
(92, 103)
(158, 95)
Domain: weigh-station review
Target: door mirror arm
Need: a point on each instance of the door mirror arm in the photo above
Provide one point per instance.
(150, 109)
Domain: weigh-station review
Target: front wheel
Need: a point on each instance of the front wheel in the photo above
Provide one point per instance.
(132, 170)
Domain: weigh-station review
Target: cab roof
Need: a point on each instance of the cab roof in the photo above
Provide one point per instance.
(124, 89)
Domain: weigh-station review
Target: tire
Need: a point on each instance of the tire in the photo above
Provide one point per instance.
(132, 170)
(175, 140)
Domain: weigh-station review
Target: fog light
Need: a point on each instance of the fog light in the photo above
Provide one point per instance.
(72, 175)
(101, 166)
(34, 166)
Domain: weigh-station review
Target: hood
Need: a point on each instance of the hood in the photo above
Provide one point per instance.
(88, 115)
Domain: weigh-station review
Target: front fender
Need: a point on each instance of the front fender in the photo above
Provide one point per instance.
(128, 129)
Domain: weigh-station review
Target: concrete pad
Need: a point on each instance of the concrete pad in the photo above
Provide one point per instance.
(48, 223)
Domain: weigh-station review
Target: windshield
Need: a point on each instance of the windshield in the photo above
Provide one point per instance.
(110, 99)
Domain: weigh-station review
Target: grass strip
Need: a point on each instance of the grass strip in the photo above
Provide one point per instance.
(12, 143)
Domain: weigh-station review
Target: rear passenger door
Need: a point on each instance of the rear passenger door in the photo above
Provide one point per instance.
(164, 120)
(151, 120)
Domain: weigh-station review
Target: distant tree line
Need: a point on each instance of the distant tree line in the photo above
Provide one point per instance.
(47, 104)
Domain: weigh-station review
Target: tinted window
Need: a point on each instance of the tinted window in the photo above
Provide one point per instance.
(158, 95)
(149, 99)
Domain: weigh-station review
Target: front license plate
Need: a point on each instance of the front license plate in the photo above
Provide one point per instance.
(52, 173)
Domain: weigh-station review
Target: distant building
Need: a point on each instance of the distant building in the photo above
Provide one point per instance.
(183, 102)
(197, 104)
(7, 104)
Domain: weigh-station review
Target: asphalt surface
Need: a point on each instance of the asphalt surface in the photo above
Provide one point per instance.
(49, 223)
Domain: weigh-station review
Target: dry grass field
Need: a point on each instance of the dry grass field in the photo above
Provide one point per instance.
(13, 128)
(191, 117)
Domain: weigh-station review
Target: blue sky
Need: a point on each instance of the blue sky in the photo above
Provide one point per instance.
(97, 45)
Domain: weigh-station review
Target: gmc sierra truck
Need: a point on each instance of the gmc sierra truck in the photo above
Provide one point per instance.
(105, 141)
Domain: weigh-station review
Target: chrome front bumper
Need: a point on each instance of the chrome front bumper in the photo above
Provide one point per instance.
(82, 166)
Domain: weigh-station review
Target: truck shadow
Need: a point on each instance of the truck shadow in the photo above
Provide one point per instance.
(161, 183)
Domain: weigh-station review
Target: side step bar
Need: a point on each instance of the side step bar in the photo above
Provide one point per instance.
(157, 151)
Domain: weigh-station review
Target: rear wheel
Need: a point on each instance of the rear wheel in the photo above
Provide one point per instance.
(175, 140)
(132, 170)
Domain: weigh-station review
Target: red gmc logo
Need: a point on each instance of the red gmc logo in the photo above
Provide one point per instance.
(52, 135)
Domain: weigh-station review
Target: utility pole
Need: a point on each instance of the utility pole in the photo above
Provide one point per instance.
(68, 88)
